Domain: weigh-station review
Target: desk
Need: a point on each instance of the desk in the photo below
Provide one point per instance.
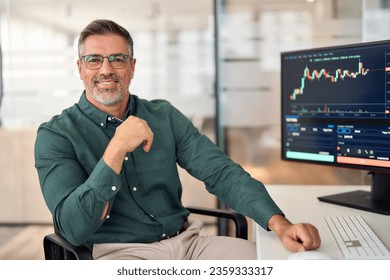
(300, 204)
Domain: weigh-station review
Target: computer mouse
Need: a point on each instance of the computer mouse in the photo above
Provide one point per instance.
(309, 255)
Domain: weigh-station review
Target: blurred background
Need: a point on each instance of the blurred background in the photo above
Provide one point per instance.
(218, 61)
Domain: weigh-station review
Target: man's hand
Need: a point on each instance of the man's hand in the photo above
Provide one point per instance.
(295, 237)
(132, 133)
(128, 136)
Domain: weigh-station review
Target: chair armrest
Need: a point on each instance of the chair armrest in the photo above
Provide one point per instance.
(58, 248)
(238, 219)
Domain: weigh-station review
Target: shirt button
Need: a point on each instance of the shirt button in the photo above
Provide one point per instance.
(163, 235)
(107, 216)
(135, 189)
(151, 215)
(109, 118)
(101, 124)
(113, 188)
(126, 158)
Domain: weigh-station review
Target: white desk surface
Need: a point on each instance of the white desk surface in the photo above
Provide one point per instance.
(300, 204)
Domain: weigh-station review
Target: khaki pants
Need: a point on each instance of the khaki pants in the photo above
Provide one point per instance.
(188, 245)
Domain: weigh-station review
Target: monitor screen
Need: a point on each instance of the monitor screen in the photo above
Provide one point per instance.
(336, 111)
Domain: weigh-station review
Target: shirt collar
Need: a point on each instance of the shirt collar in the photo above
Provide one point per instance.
(99, 117)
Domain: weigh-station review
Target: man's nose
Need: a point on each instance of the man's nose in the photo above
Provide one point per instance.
(106, 66)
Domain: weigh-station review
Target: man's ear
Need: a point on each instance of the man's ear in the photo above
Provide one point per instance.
(79, 68)
(132, 65)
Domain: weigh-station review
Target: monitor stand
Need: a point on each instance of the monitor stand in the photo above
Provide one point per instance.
(377, 200)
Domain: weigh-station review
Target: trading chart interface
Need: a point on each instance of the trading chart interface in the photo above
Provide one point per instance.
(336, 105)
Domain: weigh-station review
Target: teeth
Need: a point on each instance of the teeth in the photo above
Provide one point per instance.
(107, 83)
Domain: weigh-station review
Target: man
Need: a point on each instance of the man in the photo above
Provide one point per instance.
(108, 168)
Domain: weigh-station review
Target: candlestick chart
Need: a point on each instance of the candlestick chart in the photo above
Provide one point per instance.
(338, 85)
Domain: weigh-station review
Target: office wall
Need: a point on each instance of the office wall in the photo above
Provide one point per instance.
(174, 57)
(376, 20)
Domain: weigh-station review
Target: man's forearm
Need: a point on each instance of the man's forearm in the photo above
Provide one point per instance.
(113, 157)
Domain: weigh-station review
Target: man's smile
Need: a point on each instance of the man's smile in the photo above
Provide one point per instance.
(106, 83)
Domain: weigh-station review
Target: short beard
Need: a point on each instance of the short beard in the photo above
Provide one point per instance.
(112, 97)
(108, 97)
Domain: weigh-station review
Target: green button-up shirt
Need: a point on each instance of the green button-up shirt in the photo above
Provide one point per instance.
(145, 198)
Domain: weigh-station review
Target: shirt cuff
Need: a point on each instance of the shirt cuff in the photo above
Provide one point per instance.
(104, 181)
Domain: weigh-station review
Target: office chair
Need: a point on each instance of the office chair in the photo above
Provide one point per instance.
(58, 248)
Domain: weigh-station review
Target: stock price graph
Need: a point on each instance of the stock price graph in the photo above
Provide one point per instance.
(327, 84)
(323, 74)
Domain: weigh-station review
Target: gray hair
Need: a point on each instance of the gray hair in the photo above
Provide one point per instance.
(103, 27)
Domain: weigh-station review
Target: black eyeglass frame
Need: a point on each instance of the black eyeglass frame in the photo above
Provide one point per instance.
(110, 59)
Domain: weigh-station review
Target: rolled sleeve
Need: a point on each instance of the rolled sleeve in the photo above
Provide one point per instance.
(105, 182)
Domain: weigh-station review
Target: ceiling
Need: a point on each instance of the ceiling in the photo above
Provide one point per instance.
(72, 15)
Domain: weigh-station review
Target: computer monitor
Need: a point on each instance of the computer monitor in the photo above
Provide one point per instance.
(336, 111)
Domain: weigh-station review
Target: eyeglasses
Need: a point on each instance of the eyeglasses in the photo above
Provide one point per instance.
(95, 61)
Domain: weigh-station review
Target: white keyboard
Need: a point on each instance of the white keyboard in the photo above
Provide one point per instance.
(356, 239)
